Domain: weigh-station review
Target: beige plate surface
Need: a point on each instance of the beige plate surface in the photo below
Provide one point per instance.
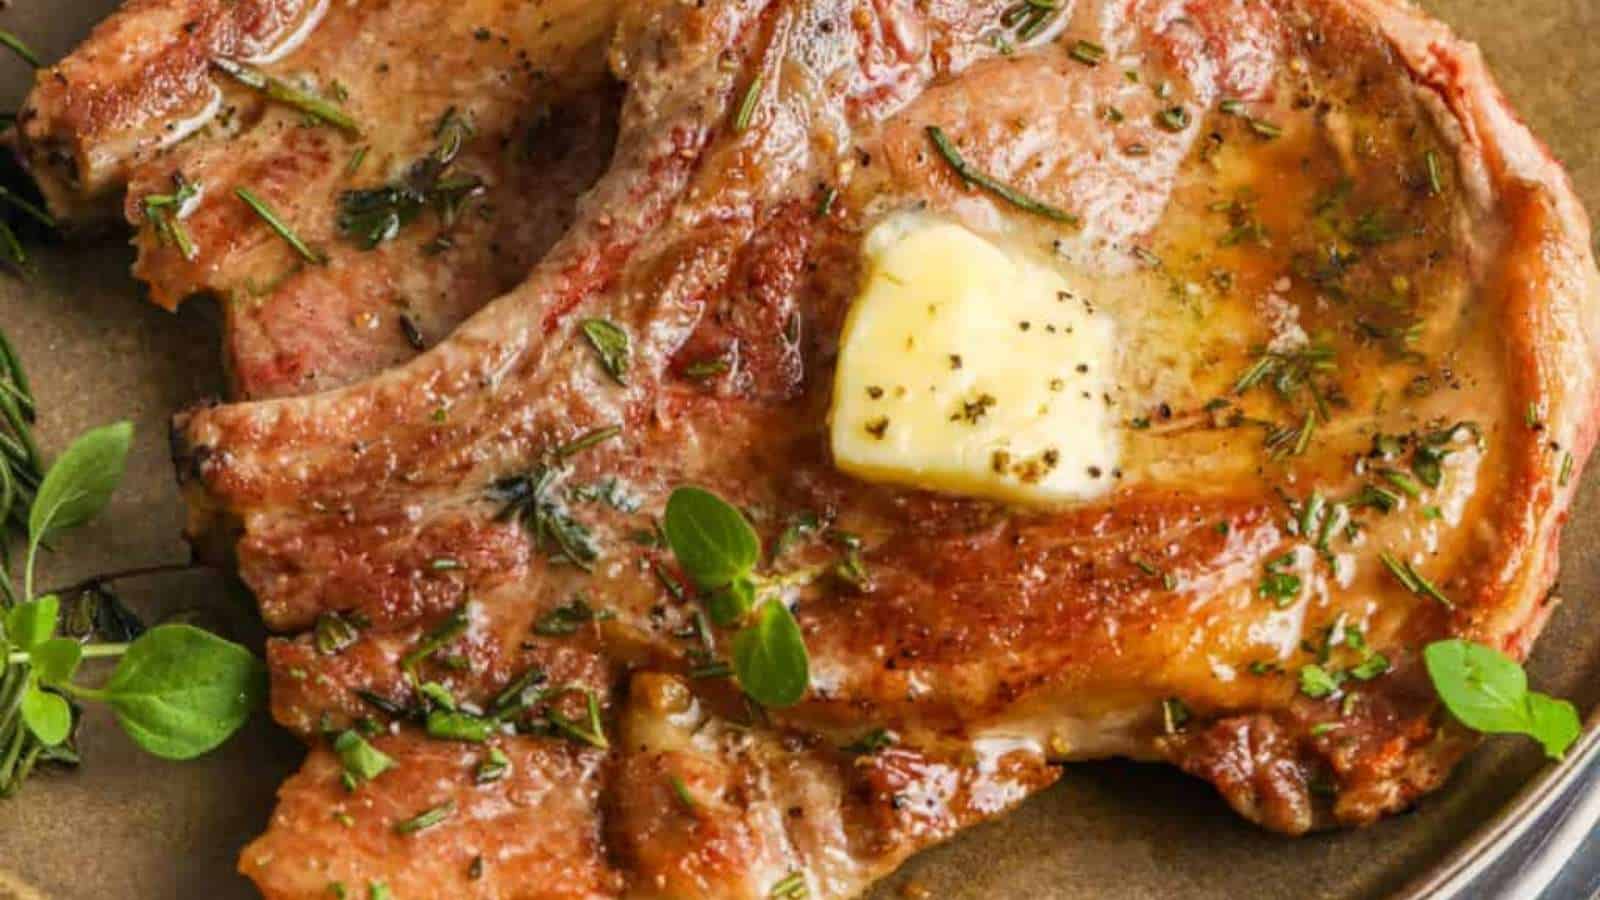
(130, 826)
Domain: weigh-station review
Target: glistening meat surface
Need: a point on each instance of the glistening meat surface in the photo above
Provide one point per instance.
(1355, 310)
(495, 116)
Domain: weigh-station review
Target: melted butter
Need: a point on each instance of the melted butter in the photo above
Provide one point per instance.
(970, 368)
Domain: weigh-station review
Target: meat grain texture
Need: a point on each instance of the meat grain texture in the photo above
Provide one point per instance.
(1344, 183)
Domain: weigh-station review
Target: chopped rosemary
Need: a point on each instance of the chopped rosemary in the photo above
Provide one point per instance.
(334, 633)
(1265, 129)
(791, 887)
(567, 619)
(1173, 118)
(681, 791)
(531, 499)
(590, 731)
(1430, 162)
(610, 342)
(282, 92)
(747, 106)
(426, 819)
(494, 767)
(587, 440)
(1412, 580)
(1174, 715)
(971, 176)
(1088, 52)
(454, 626)
(28, 207)
(1566, 469)
(165, 213)
(278, 225)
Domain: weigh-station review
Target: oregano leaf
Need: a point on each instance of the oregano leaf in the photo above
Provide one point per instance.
(47, 715)
(81, 481)
(711, 539)
(770, 658)
(180, 691)
(32, 623)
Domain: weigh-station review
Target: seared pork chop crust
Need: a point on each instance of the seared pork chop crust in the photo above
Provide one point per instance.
(498, 115)
(1345, 206)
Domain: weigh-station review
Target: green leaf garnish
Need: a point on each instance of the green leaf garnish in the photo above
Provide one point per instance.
(32, 623)
(361, 760)
(46, 714)
(710, 538)
(1487, 691)
(179, 691)
(611, 343)
(770, 657)
(77, 487)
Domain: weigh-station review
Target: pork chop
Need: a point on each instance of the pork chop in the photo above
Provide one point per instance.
(1355, 316)
(462, 134)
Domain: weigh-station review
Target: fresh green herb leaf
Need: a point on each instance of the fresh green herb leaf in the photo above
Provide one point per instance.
(791, 887)
(1005, 192)
(1317, 682)
(426, 819)
(361, 760)
(32, 623)
(453, 626)
(334, 633)
(268, 215)
(567, 619)
(447, 725)
(81, 482)
(494, 767)
(681, 791)
(285, 93)
(747, 106)
(55, 661)
(710, 538)
(1087, 52)
(611, 343)
(591, 730)
(47, 715)
(1487, 691)
(770, 657)
(179, 691)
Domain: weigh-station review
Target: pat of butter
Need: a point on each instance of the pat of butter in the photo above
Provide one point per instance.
(969, 369)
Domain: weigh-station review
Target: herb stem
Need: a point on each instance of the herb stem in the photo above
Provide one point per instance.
(972, 176)
(19, 48)
(284, 93)
(276, 224)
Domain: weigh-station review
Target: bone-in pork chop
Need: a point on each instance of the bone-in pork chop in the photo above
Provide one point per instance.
(460, 137)
(1350, 312)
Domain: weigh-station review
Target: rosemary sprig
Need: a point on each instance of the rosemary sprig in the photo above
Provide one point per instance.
(278, 225)
(15, 45)
(1005, 192)
(289, 95)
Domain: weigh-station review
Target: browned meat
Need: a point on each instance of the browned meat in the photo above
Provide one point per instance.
(513, 95)
(1343, 172)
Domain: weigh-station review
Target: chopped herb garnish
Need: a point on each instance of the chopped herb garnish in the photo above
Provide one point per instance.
(426, 819)
(871, 742)
(1412, 580)
(454, 725)
(681, 791)
(567, 619)
(1005, 192)
(747, 106)
(1430, 163)
(451, 628)
(1173, 118)
(790, 887)
(494, 767)
(1265, 129)
(1317, 682)
(1088, 53)
(587, 440)
(531, 499)
(1566, 469)
(334, 632)
(165, 213)
(1174, 715)
(284, 93)
(611, 342)
(1281, 586)
(278, 225)
(361, 760)
(588, 731)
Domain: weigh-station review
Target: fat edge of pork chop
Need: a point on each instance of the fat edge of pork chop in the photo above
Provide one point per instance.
(380, 493)
(476, 126)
